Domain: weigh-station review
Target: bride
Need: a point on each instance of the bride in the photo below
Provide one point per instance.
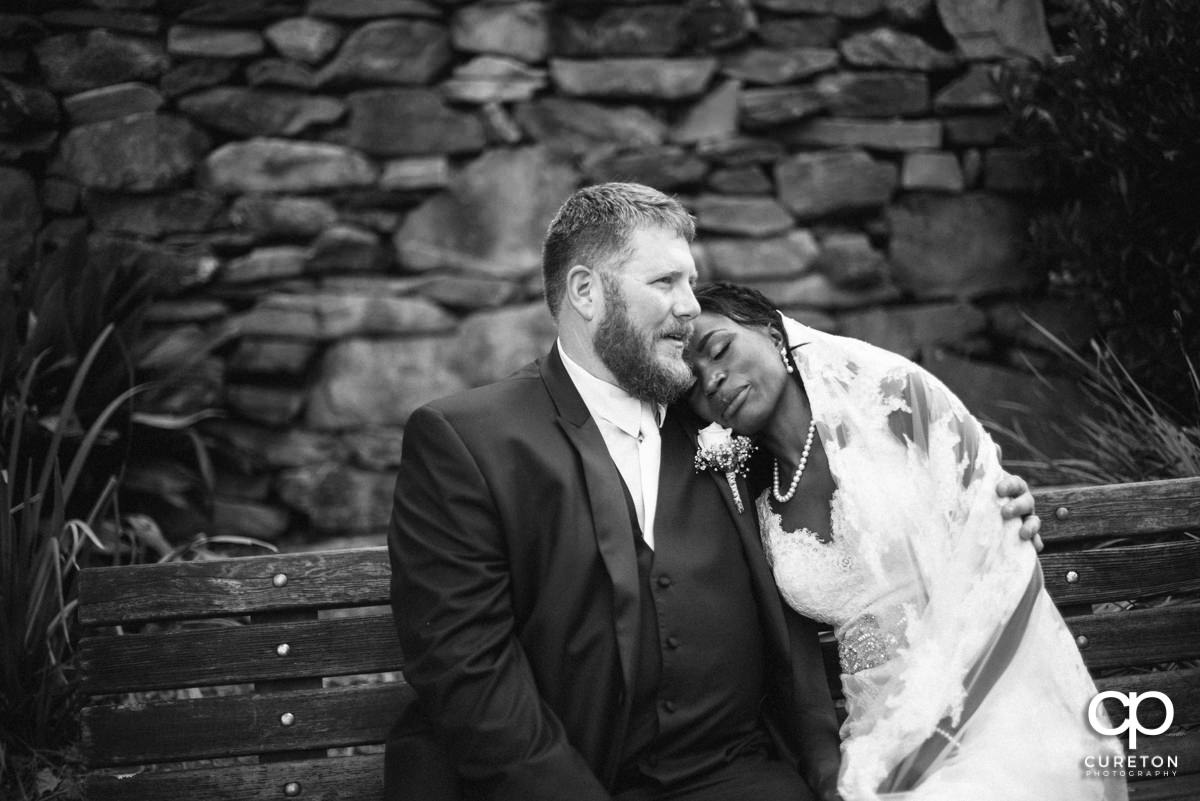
(879, 518)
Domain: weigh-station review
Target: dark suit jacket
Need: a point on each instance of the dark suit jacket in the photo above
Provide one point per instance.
(515, 591)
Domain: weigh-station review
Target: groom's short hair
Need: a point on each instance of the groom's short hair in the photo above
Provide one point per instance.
(594, 225)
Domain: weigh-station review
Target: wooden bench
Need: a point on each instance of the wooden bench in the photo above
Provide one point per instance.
(272, 677)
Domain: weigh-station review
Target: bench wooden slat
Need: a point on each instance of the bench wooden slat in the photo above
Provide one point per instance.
(1172, 788)
(236, 725)
(1110, 574)
(1112, 510)
(352, 778)
(1139, 636)
(239, 654)
(1181, 686)
(1184, 745)
(230, 587)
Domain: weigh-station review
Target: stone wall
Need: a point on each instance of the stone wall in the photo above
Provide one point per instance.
(348, 196)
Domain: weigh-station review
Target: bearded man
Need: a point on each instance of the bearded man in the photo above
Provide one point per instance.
(583, 615)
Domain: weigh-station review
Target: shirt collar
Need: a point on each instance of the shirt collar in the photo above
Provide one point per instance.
(610, 401)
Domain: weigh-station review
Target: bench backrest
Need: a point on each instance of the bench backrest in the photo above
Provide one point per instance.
(278, 676)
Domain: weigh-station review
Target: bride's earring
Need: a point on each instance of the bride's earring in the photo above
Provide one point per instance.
(787, 363)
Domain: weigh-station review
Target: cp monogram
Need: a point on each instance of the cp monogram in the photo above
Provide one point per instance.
(1131, 723)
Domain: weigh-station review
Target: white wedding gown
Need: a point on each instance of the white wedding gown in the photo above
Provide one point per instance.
(929, 594)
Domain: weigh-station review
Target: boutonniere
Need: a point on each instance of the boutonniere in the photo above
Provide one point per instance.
(720, 450)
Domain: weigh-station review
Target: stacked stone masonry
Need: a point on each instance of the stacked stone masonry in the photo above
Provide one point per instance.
(348, 196)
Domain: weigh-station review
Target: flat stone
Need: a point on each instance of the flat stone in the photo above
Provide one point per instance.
(714, 116)
(198, 310)
(493, 344)
(255, 448)
(972, 167)
(196, 74)
(813, 31)
(933, 171)
(975, 131)
(740, 216)
(138, 153)
(891, 49)
(282, 217)
(266, 264)
(822, 183)
(272, 356)
(247, 518)
(269, 405)
(110, 102)
(885, 135)
(415, 173)
(1008, 169)
(172, 269)
(519, 29)
(665, 168)
(468, 292)
(338, 498)
(400, 51)
(182, 212)
(774, 66)
(913, 331)
(850, 261)
(976, 90)
(739, 259)
(76, 62)
(410, 122)
(816, 291)
(987, 29)
(654, 30)
(499, 126)
(762, 108)
(145, 24)
(304, 39)
(907, 12)
(260, 112)
(850, 9)
(280, 165)
(237, 12)
(37, 143)
(204, 42)
(370, 9)
(714, 25)
(20, 219)
(346, 248)
(875, 94)
(280, 72)
(577, 127)
(646, 78)
(60, 196)
(749, 179)
(380, 382)
(335, 316)
(24, 109)
(378, 448)
(739, 151)
(493, 79)
(959, 245)
(510, 197)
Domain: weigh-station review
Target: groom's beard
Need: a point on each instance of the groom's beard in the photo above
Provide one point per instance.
(632, 356)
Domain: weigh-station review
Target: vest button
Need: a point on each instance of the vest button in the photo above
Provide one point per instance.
(669, 706)
(664, 581)
(672, 642)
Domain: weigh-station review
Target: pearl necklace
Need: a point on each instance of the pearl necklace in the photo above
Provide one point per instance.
(784, 497)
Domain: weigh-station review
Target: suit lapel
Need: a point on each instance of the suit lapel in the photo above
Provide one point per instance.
(606, 499)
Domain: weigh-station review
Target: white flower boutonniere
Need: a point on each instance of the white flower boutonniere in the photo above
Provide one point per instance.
(720, 450)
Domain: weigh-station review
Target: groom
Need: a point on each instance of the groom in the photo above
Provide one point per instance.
(583, 615)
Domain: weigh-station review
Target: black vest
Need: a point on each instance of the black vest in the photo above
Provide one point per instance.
(700, 668)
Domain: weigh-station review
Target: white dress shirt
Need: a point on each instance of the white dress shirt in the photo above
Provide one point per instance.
(630, 428)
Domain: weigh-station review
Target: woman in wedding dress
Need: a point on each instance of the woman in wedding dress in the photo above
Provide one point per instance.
(879, 518)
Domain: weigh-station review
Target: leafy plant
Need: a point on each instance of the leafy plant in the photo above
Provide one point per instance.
(1114, 122)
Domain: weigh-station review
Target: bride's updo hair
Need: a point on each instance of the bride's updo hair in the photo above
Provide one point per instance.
(743, 305)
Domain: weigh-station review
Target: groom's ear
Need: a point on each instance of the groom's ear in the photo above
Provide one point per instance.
(584, 292)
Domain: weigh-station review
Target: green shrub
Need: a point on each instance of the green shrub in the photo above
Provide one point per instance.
(1114, 121)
